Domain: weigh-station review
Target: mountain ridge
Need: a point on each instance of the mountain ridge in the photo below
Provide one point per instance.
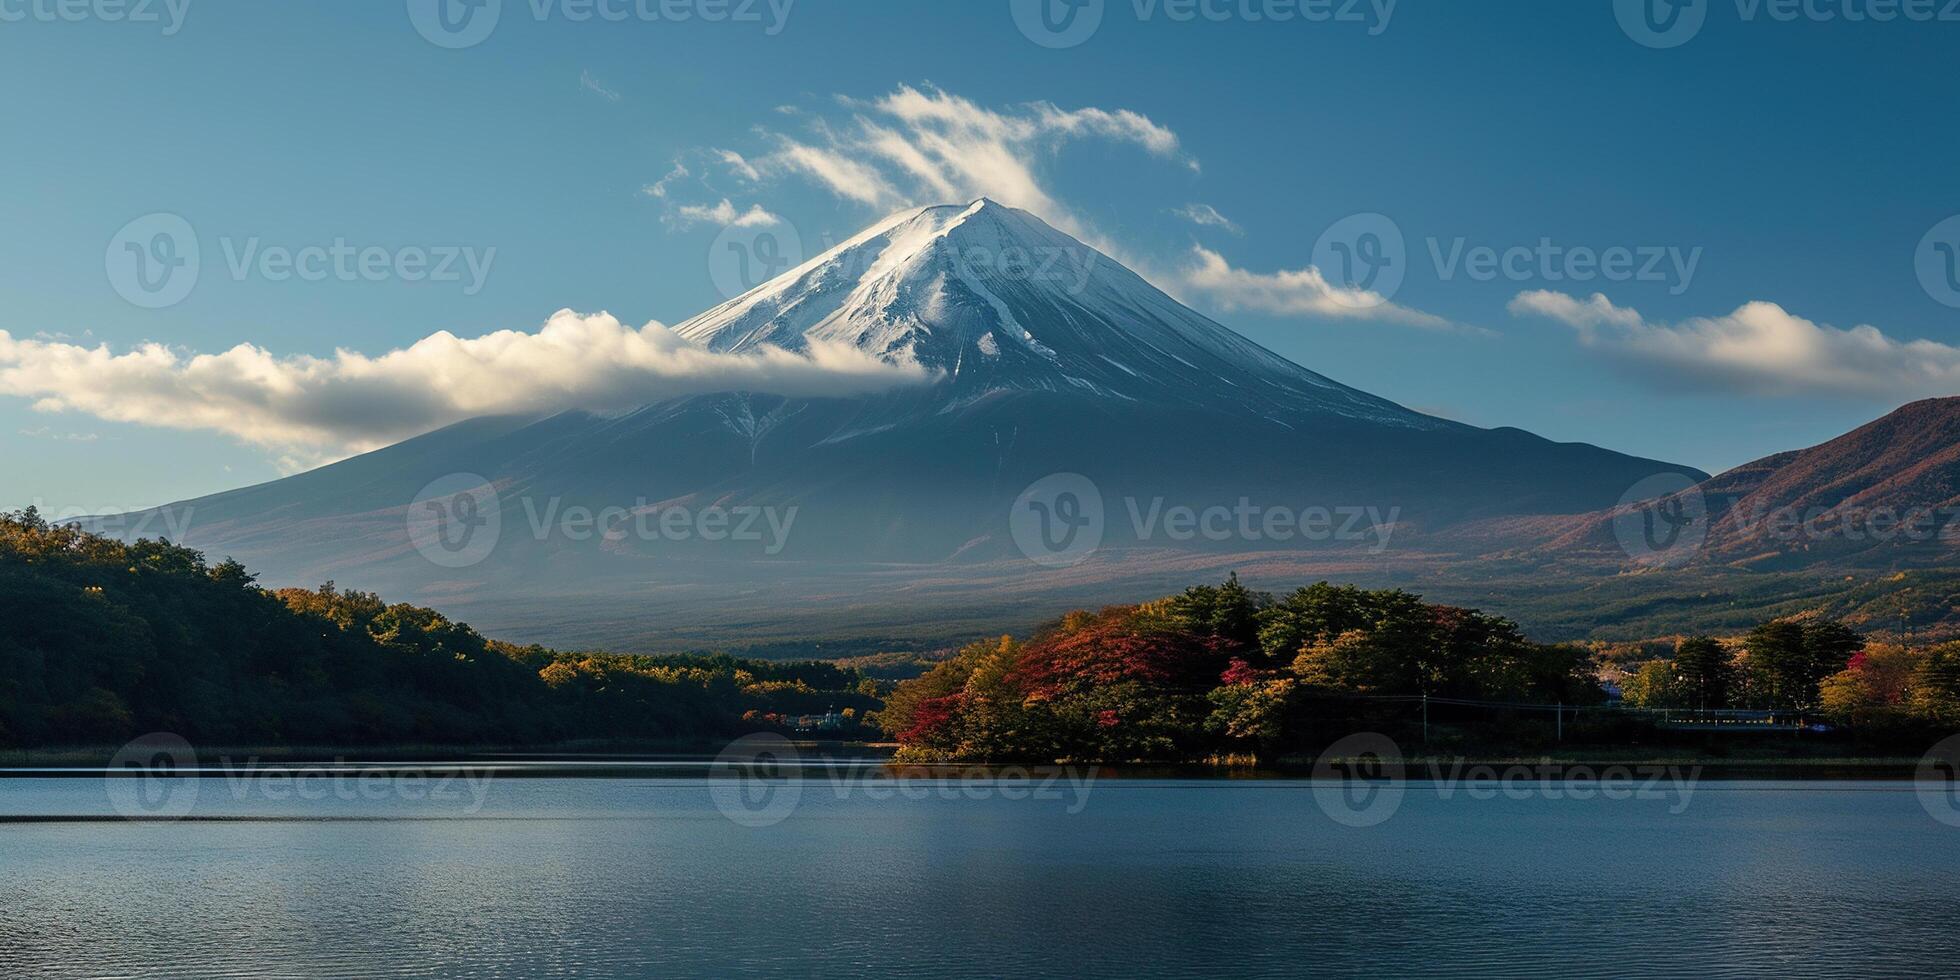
(1100, 376)
(1886, 493)
(999, 300)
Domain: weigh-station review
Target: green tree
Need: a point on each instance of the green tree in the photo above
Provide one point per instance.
(1705, 672)
(1228, 613)
(1657, 684)
(1782, 674)
(1829, 646)
(1936, 684)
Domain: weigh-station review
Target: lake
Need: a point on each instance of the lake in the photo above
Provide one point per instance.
(522, 874)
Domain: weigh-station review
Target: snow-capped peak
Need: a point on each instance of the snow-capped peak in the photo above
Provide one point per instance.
(995, 298)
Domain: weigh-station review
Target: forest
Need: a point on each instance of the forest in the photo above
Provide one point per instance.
(102, 640)
(1223, 671)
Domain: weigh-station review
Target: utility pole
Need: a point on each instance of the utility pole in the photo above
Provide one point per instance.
(1425, 717)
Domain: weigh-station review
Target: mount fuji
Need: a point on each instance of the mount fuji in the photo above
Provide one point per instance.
(1044, 357)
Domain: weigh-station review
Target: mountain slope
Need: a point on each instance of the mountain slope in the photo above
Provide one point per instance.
(1884, 494)
(1050, 358)
(997, 300)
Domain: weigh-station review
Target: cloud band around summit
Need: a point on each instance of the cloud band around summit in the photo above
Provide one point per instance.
(352, 402)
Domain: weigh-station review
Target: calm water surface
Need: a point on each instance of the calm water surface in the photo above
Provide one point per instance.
(647, 877)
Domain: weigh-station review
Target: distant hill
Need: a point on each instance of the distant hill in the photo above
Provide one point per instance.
(1883, 496)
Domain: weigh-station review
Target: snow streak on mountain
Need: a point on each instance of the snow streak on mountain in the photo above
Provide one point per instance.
(997, 300)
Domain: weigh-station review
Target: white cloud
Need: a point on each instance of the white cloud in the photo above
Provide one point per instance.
(918, 146)
(44, 432)
(1206, 216)
(1292, 292)
(659, 187)
(725, 213)
(739, 165)
(590, 84)
(1761, 348)
(352, 402)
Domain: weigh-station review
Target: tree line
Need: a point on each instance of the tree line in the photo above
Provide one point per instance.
(1810, 666)
(102, 640)
(1220, 669)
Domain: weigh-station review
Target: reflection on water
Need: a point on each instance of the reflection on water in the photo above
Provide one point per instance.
(651, 877)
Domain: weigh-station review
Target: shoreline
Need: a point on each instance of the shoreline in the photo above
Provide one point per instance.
(701, 758)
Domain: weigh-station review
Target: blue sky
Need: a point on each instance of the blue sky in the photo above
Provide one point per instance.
(1803, 163)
